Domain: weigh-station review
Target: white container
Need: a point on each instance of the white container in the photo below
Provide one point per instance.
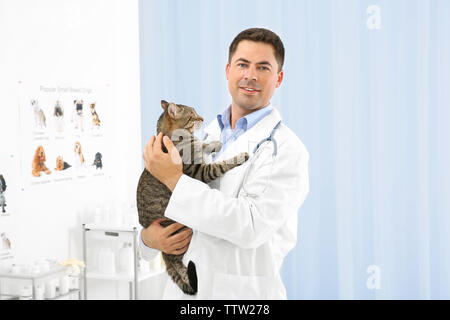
(74, 283)
(98, 215)
(64, 284)
(26, 293)
(39, 292)
(50, 290)
(27, 269)
(44, 265)
(117, 220)
(106, 261)
(35, 269)
(15, 269)
(126, 259)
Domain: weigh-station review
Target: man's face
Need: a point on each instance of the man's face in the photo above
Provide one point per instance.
(253, 75)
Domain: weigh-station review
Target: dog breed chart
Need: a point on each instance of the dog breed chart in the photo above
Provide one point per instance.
(64, 133)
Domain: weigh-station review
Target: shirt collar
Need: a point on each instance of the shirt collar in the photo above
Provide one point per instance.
(248, 121)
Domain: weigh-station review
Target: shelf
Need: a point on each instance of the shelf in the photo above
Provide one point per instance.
(110, 227)
(32, 276)
(16, 297)
(72, 291)
(123, 276)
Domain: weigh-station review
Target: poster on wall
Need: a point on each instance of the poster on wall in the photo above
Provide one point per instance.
(64, 132)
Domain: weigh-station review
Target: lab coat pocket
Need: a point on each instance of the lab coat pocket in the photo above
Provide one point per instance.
(238, 287)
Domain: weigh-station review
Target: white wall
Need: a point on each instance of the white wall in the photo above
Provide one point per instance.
(76, 43)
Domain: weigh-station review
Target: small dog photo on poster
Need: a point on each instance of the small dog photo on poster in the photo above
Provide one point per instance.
(58, 114)
(39, 166)
(98, 161)
(40, 121)
(61, 164)
(78, 114)
(96, 123)
(78, 156)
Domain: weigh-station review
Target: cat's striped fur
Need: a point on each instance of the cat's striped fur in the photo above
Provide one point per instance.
(153, 196)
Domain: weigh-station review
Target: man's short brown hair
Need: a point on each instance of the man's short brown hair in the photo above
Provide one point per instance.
(260, 35)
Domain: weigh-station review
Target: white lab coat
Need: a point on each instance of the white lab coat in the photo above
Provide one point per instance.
(242, 230)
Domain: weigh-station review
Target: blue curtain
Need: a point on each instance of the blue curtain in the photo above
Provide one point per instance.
(366, 89)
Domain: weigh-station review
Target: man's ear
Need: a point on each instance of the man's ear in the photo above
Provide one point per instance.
(227, 69)
(280, 78)
(164, 104)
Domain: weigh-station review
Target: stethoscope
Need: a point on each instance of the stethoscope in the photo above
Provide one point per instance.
(269, 138)
(256, 152)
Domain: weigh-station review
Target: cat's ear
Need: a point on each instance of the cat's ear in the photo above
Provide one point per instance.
(164, 104)
(173, 110)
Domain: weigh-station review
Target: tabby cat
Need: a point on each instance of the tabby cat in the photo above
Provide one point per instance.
(153, 196)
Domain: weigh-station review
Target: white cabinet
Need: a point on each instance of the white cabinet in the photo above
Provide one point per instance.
(111, 253)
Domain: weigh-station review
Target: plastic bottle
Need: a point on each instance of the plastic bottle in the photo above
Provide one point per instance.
(126, 258)
(64, 284)
(106, 261)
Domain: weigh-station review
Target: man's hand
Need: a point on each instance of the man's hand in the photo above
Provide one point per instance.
(157, 237)
(166, 167)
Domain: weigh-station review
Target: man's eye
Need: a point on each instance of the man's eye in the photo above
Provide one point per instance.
(242, 65)
(264, 68)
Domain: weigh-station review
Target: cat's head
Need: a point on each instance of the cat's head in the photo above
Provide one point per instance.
(178, 116)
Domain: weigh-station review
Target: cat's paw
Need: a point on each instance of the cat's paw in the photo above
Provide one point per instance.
(215, 146)
(212, 147)
(242, 157)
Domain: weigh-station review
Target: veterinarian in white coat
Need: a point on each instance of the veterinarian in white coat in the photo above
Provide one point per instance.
(245, 222)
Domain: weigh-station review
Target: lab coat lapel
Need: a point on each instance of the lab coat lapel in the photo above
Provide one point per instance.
(213, 131)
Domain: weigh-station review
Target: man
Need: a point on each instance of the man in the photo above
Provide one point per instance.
(244, 223)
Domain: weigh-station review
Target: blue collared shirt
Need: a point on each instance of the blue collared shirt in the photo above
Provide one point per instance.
(229, 135)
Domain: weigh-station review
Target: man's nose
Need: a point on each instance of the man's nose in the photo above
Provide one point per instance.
(250, 74)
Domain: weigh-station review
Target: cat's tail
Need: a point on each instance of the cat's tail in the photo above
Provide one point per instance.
(184, 278)
(192, 275)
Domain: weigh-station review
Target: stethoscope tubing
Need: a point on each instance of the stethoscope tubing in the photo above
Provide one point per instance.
(269, 139)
